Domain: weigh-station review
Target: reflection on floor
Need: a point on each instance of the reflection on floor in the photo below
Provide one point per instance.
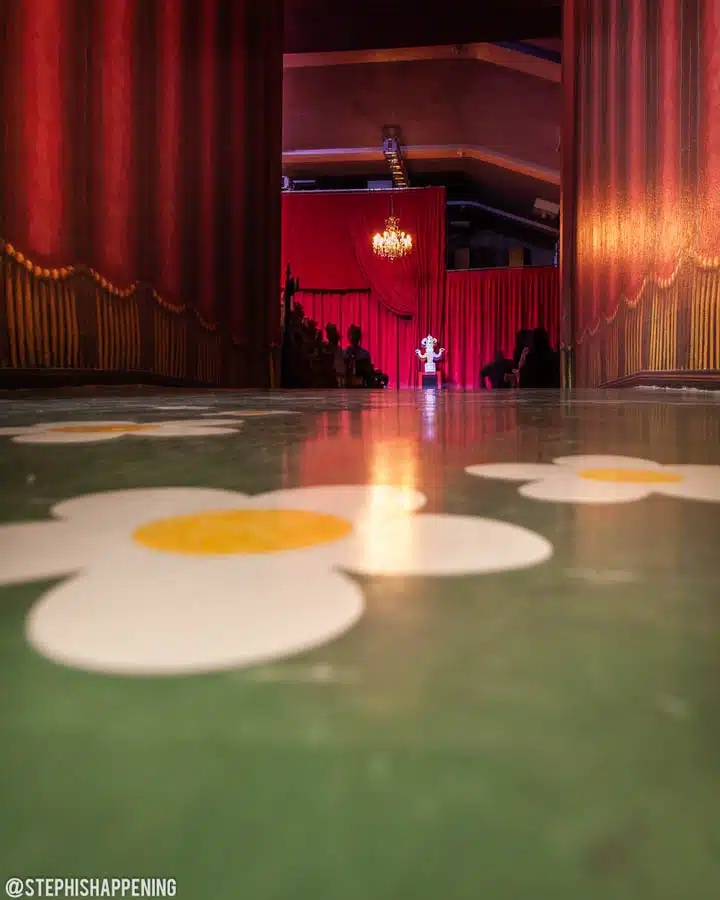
(366, 645)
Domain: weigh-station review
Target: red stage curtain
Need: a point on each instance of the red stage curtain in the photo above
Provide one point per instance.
(37, 156)
(611, 223)
(709, 238)
(111, 117)
(635, 245)
(390, 339)
(599, 125)
(207, 54)
(326, 240)
(130, 145)
(485, 310)
(166, 174)
(672, 227)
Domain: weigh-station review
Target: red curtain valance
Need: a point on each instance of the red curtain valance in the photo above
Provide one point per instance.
(327, 241)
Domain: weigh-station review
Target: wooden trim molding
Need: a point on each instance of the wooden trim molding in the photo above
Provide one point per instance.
(678, 379)
(489, 53)
(439, 152)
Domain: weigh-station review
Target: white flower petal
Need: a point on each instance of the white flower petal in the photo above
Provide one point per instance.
(200, 422)
(68, 437)
(513, 471)
(181, 407)
(170, 430)
(605, 462)
(251, 413)
(36, 550)
(573, 489)
(43, 426)
(160, 623)
(443, 545)
(12, 431)
(121, 510)
(699, 483)
(352, 502)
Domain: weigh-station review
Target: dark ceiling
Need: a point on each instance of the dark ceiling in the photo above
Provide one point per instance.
(324, 105)
(314, 26)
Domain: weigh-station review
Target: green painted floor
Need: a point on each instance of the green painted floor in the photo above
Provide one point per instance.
(429, 708)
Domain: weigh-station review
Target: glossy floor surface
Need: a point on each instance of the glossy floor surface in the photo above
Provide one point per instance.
(369, 645)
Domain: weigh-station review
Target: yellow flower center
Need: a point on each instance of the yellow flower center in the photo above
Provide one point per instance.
(241, 531)
(631, 476)
(100, 429)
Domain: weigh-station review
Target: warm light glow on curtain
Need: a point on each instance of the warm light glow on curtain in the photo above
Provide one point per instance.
(710, 127)
(599, 124)
(611, 243)
(634, 245)
(672, 233)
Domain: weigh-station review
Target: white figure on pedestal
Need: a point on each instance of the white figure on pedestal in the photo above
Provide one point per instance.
(431, 356)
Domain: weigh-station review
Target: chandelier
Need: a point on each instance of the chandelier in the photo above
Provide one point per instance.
(392, 244)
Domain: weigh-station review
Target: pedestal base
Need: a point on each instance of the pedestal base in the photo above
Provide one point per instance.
(430, 380)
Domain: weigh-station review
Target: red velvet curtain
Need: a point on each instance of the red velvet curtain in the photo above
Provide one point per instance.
(483, 313)
(327, 241)
(671, 226)
(638, 264)
(709, 238)
(131, 144)
(485, 310)
(389, 338)
(36, 90)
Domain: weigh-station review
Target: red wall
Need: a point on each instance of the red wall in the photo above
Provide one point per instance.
(643, 186)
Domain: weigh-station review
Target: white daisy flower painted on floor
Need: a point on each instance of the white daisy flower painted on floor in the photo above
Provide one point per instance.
(606, 479)
(189, 580)
(94, 432)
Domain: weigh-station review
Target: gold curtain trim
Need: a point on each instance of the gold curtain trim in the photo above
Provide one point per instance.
(103, 283)
(698, 260)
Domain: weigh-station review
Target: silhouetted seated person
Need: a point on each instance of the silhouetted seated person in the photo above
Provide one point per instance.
(541, 367)
(295, 372)
(360, 371)
(496, 372)
(522, 348)
(334, 368)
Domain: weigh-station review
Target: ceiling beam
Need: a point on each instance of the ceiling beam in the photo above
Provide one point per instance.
(446, 151)
(503, 214)
(490, 53)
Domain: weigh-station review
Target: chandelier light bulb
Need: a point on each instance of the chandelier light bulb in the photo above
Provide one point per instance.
(393, 243)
